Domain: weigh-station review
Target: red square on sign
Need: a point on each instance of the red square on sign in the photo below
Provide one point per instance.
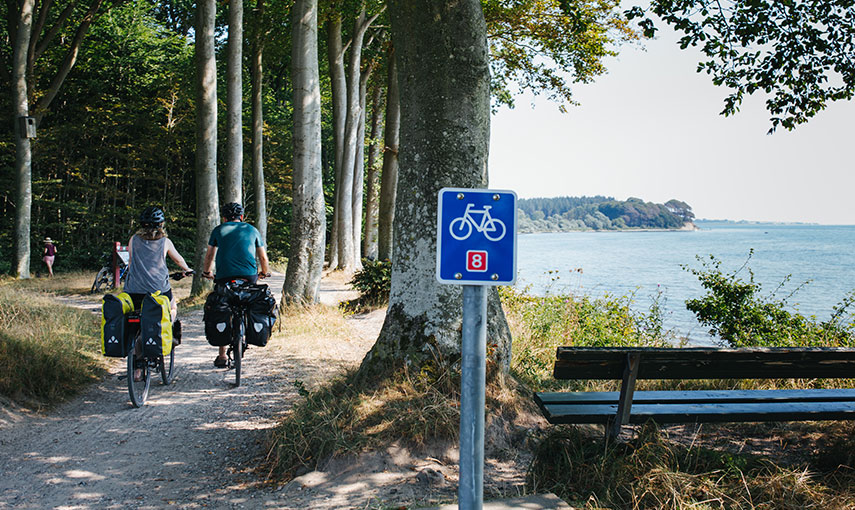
(476, 261)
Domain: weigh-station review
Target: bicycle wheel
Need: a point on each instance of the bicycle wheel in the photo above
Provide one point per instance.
(138, 389)
(494, 230)
(167, 366)
(460, 229)
(100, 279)
(238, 354)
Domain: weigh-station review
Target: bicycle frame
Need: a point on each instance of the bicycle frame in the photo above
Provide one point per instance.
(485, 216)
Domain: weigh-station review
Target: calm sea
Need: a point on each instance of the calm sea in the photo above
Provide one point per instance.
(645, 263)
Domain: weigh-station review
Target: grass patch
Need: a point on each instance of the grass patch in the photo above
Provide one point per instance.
(652, 472)
(71, 283)
(47, 351)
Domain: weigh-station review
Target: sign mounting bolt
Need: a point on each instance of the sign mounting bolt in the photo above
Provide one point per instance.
(496, 196)
(460, 196)
(495, 277)
(458, 276)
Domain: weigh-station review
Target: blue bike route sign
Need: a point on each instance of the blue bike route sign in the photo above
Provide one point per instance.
(476, 237)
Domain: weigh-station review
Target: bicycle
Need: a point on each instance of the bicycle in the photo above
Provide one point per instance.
(493, 228)
(237, 291)
(138, 389)
(106, 274)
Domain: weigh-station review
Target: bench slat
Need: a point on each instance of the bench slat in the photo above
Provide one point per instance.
(695, 363)
(696, 396)
(687, 413)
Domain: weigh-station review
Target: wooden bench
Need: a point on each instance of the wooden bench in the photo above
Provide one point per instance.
(614, 409)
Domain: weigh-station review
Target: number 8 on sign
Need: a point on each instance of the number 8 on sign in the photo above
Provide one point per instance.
(476, 260)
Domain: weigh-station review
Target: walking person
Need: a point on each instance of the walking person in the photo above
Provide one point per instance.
(234, 245)
(49, 255)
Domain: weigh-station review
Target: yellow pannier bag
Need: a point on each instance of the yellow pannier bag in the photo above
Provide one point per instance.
(156, 325)
(114, 341)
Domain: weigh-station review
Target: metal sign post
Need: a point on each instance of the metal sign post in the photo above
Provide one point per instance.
(476, 247)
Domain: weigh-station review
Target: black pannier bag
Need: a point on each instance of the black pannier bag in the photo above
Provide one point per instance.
(218, 319)
(114, 338)
(260, 316)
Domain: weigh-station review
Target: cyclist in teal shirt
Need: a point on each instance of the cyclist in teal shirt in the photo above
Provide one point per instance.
(235, 245)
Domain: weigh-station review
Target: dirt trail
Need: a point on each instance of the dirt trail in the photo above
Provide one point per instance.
(196, 442)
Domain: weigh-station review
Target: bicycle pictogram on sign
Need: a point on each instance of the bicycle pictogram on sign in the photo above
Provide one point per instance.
(493, 229)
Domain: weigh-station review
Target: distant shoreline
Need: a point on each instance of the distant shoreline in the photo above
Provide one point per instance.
(687, 227)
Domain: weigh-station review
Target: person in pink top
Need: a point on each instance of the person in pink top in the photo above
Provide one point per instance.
(49, 255)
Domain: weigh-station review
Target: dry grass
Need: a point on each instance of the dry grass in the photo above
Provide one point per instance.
(47, 351)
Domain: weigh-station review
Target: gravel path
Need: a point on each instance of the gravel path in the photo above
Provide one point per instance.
(196, 443)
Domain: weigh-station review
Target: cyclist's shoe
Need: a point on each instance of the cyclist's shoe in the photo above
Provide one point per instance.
(220, 362)
(176, 332)
(138, 375)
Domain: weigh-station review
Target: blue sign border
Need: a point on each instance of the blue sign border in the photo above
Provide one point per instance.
(439, 235)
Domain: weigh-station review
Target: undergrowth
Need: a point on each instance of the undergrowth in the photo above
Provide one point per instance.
(47, 351)
(651, 472)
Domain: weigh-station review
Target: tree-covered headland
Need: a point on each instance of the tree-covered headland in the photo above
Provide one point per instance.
(566, 214)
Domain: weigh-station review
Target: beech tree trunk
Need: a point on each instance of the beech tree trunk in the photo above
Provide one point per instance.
(369, 247)
(233, 182)
(347, 257)
(338, 84)
(23, 150)
(308, 225)
(445, 134)
(207, 200)
(359, 168)
(389, 179)
(258, 124)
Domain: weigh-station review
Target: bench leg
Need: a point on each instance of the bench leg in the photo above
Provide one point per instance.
(627, 389)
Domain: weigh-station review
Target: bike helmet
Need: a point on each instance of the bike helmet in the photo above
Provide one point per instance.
(152, 216)
(232, 210)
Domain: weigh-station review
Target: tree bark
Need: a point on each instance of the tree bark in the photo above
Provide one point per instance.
(445, 134)
(389, 179)
(359, 168)
(347, 259)
(335, 58)
(23, 150)
(207, 200)
(233, 182)
(369, 247)
(258, 124)
(308, 226)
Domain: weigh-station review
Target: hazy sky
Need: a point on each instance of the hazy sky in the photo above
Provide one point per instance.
(651, 129)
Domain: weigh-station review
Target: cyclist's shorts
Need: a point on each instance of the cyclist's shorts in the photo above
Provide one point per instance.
(137, 298)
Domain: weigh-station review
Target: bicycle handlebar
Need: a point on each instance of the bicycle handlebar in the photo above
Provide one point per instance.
(181, 274)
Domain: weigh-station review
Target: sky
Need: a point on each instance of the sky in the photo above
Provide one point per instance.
(651, 129)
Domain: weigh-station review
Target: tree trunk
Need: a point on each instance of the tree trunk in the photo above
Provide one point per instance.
(347, 259)
(369, 248)
(233, 182)
(308, 225)
(23, 151)
(207, 213)
(335, 58)
(359, 169)
(389, 182)
(445, 134)
(258, 125)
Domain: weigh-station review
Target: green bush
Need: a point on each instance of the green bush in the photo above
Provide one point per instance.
(734, 310)
(373, 282)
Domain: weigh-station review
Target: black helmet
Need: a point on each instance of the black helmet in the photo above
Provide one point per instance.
(232, 210)
(152, 216)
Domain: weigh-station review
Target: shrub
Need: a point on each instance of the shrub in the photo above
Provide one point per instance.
(373, 282)
(734, 310)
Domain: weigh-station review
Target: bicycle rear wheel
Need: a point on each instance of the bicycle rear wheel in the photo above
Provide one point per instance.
(100, 279)
(167, 366)
(138, 389)
(238, 354)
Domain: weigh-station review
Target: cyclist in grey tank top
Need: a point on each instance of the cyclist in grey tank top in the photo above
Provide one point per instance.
(148, 249)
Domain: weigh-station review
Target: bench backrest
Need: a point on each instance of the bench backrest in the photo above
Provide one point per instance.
(706, 363)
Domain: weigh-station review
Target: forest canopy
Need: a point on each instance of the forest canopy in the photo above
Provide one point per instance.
(565, 214)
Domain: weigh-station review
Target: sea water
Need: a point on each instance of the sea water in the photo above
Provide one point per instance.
(650, 264)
